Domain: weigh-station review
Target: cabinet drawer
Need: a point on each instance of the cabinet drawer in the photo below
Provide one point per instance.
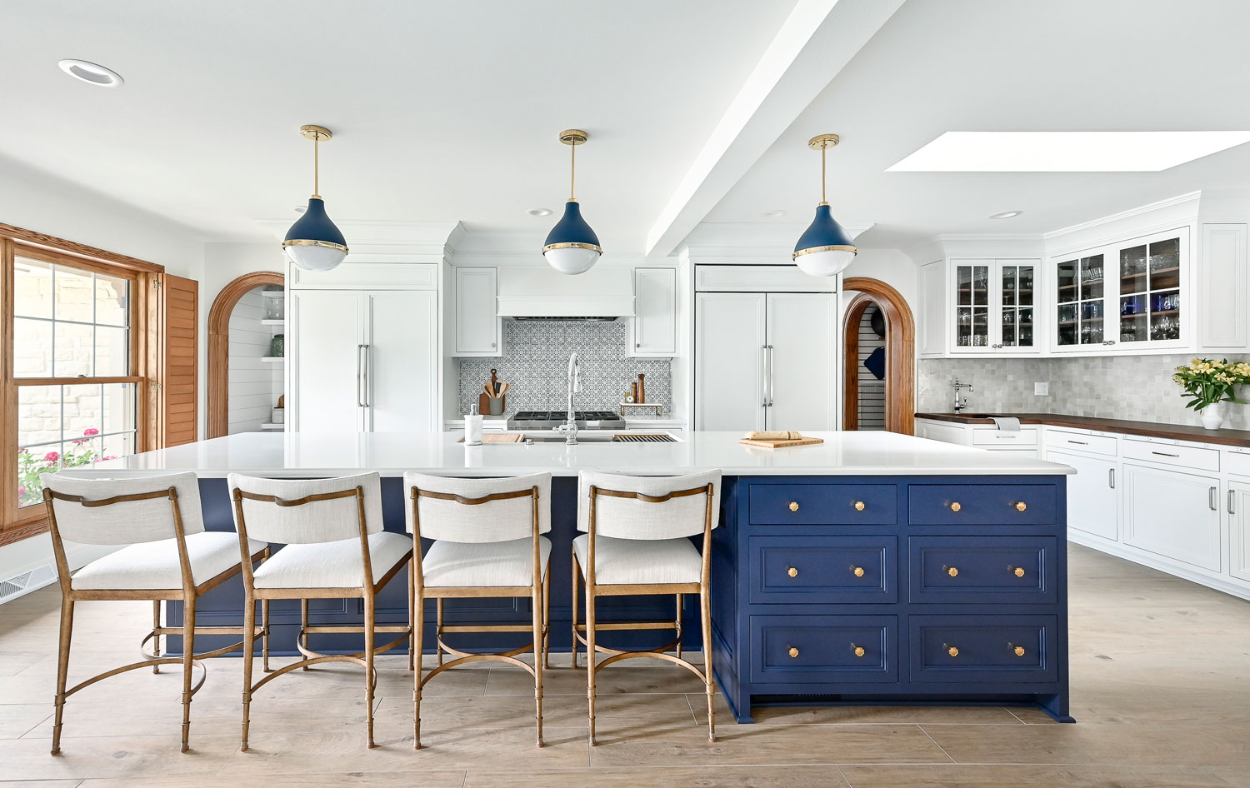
(1238, 463)
(986, 570)
(824, 649)
(980, 649)
(989, 438)
(983, 504)
(1079, 441)
(824, 504)
(1194, 458)
(823, 570)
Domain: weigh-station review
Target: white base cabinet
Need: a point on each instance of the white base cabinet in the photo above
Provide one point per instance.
(1238, 503)
(1093, 500)
(1175, 515)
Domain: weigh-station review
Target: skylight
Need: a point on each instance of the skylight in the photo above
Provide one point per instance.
(1066, 151)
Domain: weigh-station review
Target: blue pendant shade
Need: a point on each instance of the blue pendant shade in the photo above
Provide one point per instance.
(313, 242)
(824, 249)
(571, 246)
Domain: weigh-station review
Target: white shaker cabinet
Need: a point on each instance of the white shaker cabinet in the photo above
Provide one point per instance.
(1173, 514)
(479, 329)
(802, 383)
(324, 353)
(401, 388)
(1093, 497)
(1224, 292)
(654, 325)
(730, 335)
(1238, 502)
(981, 307)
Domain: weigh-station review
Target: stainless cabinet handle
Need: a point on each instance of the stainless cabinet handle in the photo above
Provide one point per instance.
(1232, 507)
(1109, 342)
(359, 374)
(1111, 478)
(1211, 495)
(764, 375)
(1078, 443)
(772, 380)
(1164, 454)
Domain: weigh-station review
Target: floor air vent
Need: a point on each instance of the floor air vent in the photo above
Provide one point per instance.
(629, 438)
(17, 585)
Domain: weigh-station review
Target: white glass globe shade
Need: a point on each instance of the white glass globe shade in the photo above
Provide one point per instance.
(315, 258)
(571, 259)
(824, 263)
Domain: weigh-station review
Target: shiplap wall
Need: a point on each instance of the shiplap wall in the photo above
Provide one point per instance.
(255, 385)
(871, 390)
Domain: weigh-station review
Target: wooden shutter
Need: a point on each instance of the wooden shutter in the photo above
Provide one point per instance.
(179, 371)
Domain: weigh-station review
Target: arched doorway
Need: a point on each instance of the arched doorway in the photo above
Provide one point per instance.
(900, 354)
(219, 346)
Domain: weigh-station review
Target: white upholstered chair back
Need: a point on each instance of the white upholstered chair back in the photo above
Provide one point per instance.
(125, 522)
(632, 518)
(501, 520)
(315, 521)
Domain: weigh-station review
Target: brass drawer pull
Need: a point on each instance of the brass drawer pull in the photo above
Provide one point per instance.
(792, 571)
(954, 652)
(1017, 650)
(1018, 571)
(859, 506)
(858, 571)
(1020, 506)
(954, 506)
(794, 652)
(794, 506)
(858, 650)
(953, 571)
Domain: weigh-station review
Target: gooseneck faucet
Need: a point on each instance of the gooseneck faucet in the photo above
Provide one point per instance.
(569, 428)
(961, 402)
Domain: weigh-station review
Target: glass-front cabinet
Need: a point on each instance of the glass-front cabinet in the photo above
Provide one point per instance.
(993, 306)
(1127, 296)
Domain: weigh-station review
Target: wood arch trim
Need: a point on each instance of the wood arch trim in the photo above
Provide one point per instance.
(900, 334)
(219, 346)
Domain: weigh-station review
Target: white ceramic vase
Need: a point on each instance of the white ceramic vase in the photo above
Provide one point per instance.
(1213, 415)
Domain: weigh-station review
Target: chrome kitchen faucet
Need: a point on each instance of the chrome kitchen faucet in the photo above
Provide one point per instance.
(960, 402)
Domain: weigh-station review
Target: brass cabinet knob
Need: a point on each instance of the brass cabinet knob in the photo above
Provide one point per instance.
(794, 652)
(954, 652)
(954, 506)
(953, 571)
(1021, 506)
(1018, 571)
(794, 506)
(793, 572)
(858, 571)
(859, 651)
(859, 506)
(1018, 650)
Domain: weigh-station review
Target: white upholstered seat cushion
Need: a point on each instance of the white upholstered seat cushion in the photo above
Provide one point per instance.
(467, 564)
(332, 564)
(155, 565)
(636, 561)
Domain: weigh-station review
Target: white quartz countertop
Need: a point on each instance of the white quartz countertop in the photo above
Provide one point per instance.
(315, 454)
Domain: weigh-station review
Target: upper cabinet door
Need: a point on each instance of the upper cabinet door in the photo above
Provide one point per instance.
(1149, 306)
(972, 306)
(1080, 303)
(655, 306)
(479, 330)
(729, 358)
(1017, 313)
(1222, 287)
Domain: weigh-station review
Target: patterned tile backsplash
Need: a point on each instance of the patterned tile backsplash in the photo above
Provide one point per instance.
(535, 362)
(1137, 388)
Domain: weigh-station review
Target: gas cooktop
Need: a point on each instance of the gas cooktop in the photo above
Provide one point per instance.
(550, 419)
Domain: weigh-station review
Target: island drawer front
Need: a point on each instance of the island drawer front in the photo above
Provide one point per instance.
(1080, 441)
(1192, 457)
(823, 570)
(823, 649)
(983, 569)
(983, 649)
(824, 504)
(983, 504)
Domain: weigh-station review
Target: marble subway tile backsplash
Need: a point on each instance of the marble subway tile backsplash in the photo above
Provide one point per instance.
(536, 360)
(1137, 388)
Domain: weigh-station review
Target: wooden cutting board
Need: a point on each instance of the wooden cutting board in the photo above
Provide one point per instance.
(780, 444)
(514, 437)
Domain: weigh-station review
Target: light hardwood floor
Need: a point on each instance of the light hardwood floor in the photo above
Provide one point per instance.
(1160, 689)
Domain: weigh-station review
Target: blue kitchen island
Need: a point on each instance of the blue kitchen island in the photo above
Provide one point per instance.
(872, 568)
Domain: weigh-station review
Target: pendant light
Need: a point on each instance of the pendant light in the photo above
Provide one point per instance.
(313, 242)
(571, 246)
(824, 249)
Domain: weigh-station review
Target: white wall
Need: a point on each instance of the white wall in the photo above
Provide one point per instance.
(891, 266)
(255, 385)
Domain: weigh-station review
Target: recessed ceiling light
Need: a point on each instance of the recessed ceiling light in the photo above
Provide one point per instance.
(774, 214)
(1066, 151)
(1005, 214)
(91, 73)
(300, 208)
(539, 211)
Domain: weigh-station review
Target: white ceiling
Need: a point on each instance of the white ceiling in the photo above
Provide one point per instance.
(989, 65)
(441, 110)
(447, 111)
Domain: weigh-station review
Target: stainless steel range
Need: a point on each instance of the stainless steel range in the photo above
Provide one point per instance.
(550, 419)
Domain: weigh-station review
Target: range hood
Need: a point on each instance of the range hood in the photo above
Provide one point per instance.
(602, 293)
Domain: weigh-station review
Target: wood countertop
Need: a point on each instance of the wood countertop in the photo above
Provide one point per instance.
(1148, 429)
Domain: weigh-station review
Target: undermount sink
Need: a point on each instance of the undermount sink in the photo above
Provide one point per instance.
(593, 436)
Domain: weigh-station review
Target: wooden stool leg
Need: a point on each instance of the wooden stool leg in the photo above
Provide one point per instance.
(369, 625)
(303, 620)
(188, 654)
(573, 648)
(156, 624)
(538, 657)
(438, 631)
(249, 645)
(264, 636)
(679, 607)
(418, 634)
(590, 659)
(547, 618)
(706, 616)
(62, 668)
(412, 592)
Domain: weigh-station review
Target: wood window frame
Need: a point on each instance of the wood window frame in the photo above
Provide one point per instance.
(17, 523)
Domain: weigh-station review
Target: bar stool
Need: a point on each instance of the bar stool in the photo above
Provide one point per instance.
(488, 542)
(636, 541)
(333, 548)
(169, 556)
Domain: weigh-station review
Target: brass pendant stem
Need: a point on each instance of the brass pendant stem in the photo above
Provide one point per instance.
(572, 169)
(317, 165)
(823, 177)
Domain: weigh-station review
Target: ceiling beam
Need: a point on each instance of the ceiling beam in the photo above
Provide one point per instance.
(814, 44)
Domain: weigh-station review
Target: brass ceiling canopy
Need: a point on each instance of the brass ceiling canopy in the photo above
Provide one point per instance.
(823, 141)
